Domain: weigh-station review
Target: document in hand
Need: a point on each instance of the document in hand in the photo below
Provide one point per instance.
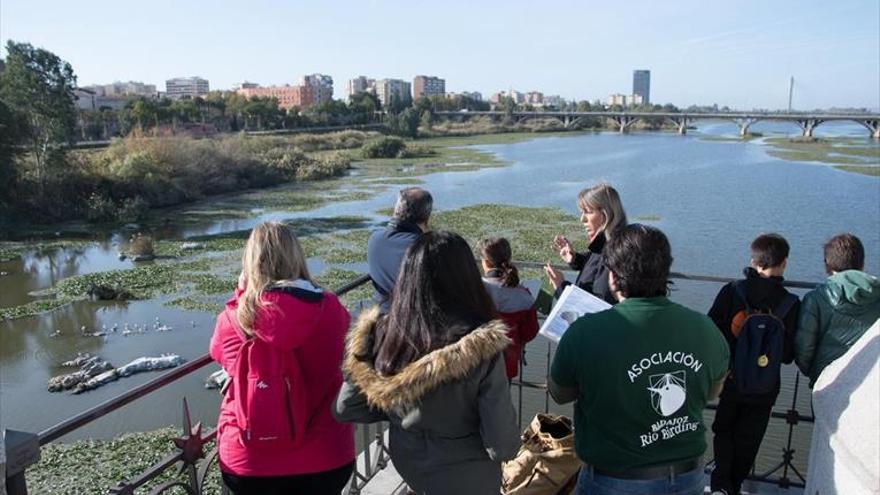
(534, 287)
(542, 300)
(573, 303)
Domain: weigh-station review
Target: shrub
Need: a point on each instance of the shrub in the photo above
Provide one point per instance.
(386, 147)
(324, 166)
(138, 165)
(99, 209)
(132, 210)
(416, 151)
(285, 161)
(141, 245)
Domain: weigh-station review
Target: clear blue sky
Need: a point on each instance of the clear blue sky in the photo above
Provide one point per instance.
(699, 51)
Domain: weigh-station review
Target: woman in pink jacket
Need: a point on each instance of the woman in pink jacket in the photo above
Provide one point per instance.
(281, 340)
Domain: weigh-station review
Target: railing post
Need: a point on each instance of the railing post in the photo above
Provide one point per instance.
(22, 451)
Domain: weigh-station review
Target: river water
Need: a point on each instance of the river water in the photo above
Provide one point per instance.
(710, 197)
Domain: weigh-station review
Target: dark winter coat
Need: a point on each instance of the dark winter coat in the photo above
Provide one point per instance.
(385, 251)
(452, 422)
(592, 273)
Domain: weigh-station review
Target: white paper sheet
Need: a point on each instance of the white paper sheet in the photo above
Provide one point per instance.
(573, 303)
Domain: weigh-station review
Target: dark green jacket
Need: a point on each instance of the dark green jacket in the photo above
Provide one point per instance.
(833, 316)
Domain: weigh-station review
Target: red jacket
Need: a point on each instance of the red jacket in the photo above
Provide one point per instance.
(523, 326)
(312, 324)
(514, 305)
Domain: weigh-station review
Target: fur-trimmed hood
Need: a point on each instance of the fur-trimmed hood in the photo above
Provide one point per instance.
(403, 390)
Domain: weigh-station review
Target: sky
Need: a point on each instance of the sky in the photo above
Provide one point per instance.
(739, 54)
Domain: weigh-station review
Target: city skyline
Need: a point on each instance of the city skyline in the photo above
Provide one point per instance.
(737, 55)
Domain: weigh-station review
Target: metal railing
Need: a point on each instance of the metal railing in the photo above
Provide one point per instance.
(792, 417)
(23, 448)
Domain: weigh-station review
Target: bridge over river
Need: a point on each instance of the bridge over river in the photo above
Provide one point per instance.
(624, 120)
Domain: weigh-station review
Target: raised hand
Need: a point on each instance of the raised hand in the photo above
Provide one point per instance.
(563, 247)
(556, 278)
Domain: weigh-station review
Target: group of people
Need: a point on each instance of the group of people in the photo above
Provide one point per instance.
(435, 356)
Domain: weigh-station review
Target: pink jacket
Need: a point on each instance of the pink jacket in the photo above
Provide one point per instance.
(312, 324)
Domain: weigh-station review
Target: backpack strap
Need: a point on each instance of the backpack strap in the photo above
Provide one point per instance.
(785, 306)
(740, 287)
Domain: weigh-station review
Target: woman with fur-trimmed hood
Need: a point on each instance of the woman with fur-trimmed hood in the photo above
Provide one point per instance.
(433, 367)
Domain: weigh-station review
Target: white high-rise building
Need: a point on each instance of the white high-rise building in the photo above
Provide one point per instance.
(186, 87)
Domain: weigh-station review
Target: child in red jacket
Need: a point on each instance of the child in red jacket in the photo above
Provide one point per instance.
(281, 340)
(513, 303)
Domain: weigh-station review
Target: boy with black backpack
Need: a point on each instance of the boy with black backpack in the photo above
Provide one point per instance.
(758, 317)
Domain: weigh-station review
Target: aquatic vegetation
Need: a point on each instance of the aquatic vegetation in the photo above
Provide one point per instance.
(195, 303)
(858, 156)
(33, 308)
(9, 253)
(60, 470)
(385, 212)
(211, 284)
(334, 278)
(402, 181)
(872, 170)
(141, 281)
(529, 230)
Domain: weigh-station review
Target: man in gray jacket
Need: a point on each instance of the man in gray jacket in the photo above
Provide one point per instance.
(387, 246)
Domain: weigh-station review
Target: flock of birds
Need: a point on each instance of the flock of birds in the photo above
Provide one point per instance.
(126, 330)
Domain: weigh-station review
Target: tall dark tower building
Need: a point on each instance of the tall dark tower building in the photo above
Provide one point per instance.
(642, 85)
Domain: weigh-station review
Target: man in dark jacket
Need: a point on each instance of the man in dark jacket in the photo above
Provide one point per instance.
(839, 311)
(741, 420)
(386, 247)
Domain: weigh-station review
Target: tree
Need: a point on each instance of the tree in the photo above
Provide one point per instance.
(398, 102)
(39, 85)
(10, 136)
(507, 105)
(363, 107)
(427, 119)
(145, 113)
(408, 122)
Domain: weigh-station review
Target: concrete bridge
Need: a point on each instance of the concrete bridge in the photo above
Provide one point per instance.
(624, 120)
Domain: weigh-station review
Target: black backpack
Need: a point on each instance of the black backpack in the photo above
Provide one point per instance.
(760, 339)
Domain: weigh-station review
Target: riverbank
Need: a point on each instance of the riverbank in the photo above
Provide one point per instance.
(198, 279)
(133, 175)
(136, 180)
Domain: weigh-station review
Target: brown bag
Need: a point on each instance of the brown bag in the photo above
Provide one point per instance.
(546, 464)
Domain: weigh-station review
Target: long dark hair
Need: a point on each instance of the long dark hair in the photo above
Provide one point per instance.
(439, 297)
(497, 253)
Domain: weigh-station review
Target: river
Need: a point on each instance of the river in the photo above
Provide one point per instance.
(711, 198)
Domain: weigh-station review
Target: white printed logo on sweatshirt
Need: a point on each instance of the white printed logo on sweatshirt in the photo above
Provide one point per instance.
(262, 385)
(668, 392)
